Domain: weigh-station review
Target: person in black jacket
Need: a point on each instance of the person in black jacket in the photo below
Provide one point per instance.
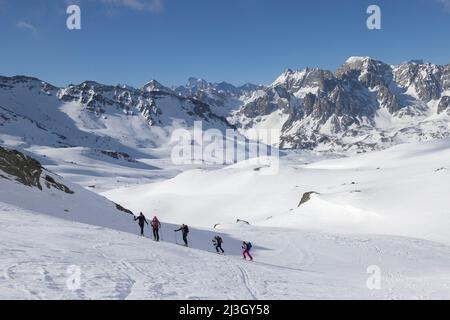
(184, 230)
(141, 222)
(217, 241)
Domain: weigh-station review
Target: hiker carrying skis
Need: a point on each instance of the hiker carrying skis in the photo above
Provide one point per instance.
(184, 230)
(156, 225)
(217, 241)
(141, 222)
(247, 246)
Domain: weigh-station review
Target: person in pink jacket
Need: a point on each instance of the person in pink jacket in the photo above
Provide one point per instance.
(247, 246)
(156, 225)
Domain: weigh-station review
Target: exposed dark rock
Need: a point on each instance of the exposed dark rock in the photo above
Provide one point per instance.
(24, 169)
(27, 170)
(50, 182)
(388, 100)
(306, 197)
(118, 155)
(444, 104)
(120, 208)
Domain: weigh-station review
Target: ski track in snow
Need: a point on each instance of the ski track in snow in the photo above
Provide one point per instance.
(246, 280)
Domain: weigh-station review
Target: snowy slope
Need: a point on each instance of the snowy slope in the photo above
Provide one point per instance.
(399, 191)
(55, 196)
(289, 264)
(44, 233)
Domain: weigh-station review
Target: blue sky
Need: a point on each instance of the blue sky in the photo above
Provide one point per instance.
(238, 41)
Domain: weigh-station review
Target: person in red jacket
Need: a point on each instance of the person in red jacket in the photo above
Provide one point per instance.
(156, 225)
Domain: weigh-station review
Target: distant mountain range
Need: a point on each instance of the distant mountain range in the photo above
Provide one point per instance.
(364, 105)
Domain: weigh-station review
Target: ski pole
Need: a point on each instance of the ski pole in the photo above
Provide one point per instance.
(175, 236)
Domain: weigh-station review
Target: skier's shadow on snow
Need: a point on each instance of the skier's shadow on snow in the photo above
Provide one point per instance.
(202, 239)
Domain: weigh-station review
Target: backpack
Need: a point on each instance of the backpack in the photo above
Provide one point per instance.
(186, 229)
(218, 239)
(249, 245)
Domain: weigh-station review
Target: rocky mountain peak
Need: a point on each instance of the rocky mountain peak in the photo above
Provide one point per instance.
(155, 86)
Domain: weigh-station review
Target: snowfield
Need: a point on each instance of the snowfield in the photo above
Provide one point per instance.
(387, 210)
(37, 252)
(400, 191)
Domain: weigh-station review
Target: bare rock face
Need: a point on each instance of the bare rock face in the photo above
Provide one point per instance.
(51, 183)
(306, 197)
(425, 79)
(388, 100)
(274, 99)
(20, 167)
(27, 171)
(97, 97)
(444, 104)
(120, 208)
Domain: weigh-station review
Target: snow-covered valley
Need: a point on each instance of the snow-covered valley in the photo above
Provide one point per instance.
(396, 191)
(386, 209)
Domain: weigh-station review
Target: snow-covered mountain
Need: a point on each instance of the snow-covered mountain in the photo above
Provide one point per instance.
(223, 97)
(364, 105)
(119, 118)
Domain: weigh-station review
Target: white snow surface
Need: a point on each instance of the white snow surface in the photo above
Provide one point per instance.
(397, 191)
(388, 209)
(38, 250)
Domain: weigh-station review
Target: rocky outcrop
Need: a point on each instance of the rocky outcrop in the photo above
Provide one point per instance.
(306, 197)
(22, 168)
(51, 183)
(444, 104)
(27, 171)
(120, 208)
(388, 100)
